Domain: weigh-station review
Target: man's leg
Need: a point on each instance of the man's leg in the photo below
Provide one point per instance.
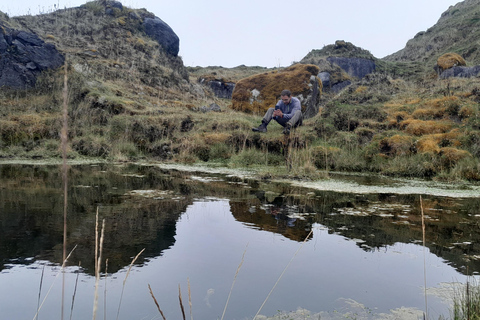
(294, 122)
(265, 121)
(297, 119)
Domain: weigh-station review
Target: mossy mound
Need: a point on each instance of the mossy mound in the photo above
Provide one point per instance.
(450, 60)
(257, 93)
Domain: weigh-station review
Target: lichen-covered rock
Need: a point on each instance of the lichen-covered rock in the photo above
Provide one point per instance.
(257, 93)
(23, 56)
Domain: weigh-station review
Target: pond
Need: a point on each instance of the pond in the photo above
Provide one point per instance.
(232, 247)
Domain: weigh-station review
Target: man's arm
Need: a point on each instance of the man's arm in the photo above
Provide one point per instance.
(294, 106)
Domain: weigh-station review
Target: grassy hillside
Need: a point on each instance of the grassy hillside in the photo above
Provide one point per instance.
(130, 101)
(456, 31)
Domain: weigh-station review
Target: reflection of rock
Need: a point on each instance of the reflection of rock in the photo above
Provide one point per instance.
(277, 216)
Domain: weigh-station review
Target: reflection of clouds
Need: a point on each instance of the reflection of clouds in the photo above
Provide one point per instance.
(210, 293)
(348, 309)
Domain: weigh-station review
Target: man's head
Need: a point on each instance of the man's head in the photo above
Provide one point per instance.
(286, 96)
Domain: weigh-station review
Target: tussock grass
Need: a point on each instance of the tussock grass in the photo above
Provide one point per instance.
(466, 302)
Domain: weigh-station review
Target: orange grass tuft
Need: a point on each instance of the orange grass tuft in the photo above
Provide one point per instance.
(420, 127)
(427, 145)
(216, 137)
(397, 145)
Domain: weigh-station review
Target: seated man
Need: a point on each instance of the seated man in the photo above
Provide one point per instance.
(287, 112)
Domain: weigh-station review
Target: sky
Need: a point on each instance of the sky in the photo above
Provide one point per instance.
(273, 33)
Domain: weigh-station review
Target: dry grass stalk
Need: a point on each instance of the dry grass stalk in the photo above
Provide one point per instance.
(190, 299)
(234, 279)
(96, 237)
(97, 271)
(424, 258)
(50, 289)
(156, 302)
(40, 291)
(105, 292)
(75, 291)
(125, 280)
(181, 302)
(64, 138)
(281, 275)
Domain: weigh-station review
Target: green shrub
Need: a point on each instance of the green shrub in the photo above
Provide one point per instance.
(324, 157)
(252, 157)
(417, 165)
(220, 151)
(91, 146)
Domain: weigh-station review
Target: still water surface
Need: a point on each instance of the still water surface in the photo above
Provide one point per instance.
(267, 248)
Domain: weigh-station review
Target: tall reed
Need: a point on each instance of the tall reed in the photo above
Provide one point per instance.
(64, 138)
(424, 258)
(281, 275)
(125, 280)
(98, 264)
(234, 279)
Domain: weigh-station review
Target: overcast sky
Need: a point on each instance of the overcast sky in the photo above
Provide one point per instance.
(273, 33)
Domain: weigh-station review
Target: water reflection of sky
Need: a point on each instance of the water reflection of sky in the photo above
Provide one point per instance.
(326, 273)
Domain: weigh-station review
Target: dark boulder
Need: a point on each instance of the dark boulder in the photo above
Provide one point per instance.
(356, 67)
(220, 88)
(110, 7)
(461, 72)
(339, 86)
(23, 56)
(163, 34)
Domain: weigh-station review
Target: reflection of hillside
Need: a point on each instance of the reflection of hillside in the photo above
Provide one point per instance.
(382, 220)
(141, 206)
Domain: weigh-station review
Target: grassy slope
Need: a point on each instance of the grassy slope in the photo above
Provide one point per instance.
(457, 31)
(130, 101)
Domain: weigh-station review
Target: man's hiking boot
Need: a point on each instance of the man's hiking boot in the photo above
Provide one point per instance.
(260, 128)
(287, 129)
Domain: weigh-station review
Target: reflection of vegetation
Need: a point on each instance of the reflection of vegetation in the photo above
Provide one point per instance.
(141, 205)
(466, 304)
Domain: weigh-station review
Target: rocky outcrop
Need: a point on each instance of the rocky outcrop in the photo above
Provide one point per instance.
(23, 56)
(462, 72)
(257, 93)
(453, 65)
(355, 67)
(220, 88)
(163, 34)
(340, 63)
